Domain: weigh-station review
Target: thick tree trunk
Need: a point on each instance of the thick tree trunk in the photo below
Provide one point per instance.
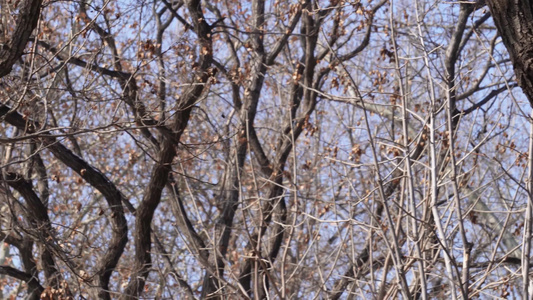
(514, 20)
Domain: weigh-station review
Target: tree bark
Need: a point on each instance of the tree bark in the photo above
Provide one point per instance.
(514, 20)
(11, 51)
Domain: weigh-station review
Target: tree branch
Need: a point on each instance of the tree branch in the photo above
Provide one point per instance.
(29, 12)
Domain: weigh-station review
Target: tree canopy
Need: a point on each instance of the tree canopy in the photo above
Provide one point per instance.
(265, 149)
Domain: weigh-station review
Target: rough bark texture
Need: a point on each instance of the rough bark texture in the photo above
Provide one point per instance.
(11, 51)
(514, 20)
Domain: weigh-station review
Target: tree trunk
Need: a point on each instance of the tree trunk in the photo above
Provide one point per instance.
(514, 20)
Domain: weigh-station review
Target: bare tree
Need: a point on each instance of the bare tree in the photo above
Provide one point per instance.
(265, 149)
